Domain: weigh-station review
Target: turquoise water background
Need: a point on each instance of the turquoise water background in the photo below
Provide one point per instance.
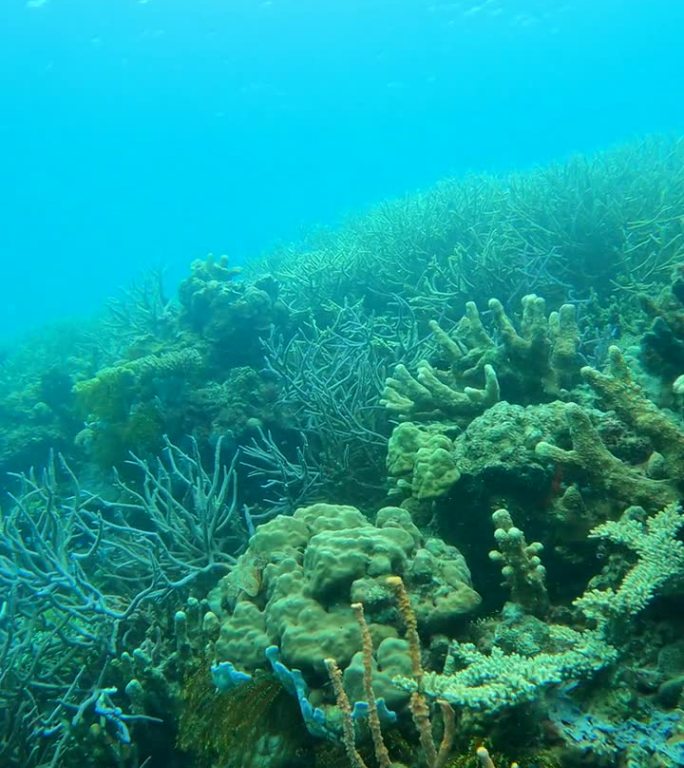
(136, 134)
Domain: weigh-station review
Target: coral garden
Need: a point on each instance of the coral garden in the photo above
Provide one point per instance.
(402, 495)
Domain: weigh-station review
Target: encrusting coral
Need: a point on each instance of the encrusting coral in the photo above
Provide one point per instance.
(496, 450)
(421, 461)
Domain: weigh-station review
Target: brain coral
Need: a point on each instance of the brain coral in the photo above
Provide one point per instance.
(294, 585)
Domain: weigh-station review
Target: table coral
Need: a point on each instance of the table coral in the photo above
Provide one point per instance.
(497, 680)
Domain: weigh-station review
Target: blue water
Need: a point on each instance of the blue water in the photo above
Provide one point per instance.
(134, 134)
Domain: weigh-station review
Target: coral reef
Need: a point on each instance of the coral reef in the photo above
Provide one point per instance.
(199, 575)
(498, 679)
(618, 390)
(126, 406)
(600, 225)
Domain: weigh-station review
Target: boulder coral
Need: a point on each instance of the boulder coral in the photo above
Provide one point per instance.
(294, 586)
(229, 313)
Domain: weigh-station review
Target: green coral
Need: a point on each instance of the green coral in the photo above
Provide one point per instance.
(231, 314)
(523, 572)
(429, 395)
(124, 404)
(391, 660)
(617, 389)
(530, 364)
(543, 356)
(606, 473)
(111, 392)
(536, 362)
(424, 454)
(498, 680)
(650, 441)
(294, 586)
(496, 451)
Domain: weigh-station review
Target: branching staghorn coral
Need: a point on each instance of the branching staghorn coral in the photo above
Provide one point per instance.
(68, 593)
(143, 312)
(25, 660)
(51, 695)
(186, 513)
(287, 482)
(78, 572)
(607, 224)
(49, 555)
(330, 377)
